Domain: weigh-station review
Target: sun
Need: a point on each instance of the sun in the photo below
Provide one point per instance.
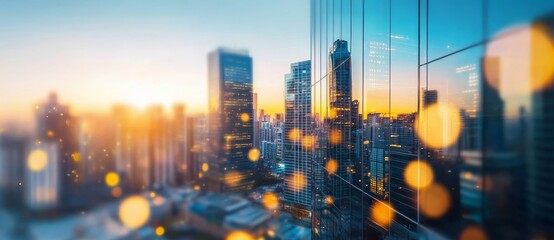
(139, 96)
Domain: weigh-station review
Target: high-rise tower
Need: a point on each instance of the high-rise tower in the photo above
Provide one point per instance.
(231, 120)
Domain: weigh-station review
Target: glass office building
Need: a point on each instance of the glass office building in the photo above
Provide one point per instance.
(231, 121)
(460, 90)
(298, 151)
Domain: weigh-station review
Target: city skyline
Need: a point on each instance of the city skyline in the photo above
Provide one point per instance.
(140, 53)
(384, 120)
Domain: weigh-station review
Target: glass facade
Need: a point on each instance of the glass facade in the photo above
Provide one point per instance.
(437, 92)
(231, 121)
(298, 150)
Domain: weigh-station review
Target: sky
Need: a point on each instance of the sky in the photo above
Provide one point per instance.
(97, 53)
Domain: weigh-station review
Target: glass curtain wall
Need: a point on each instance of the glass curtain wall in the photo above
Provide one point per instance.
(432, 119)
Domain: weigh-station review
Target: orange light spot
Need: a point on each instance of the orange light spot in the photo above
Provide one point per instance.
(134, 212)
(297, 182)
(239, 235)
(76, 156)
(418, 174)
(335, 137)
(271, 201)
(332, 166)
(160, 231)
(468, 175)
(295, 135)
(382, 213)
(542, 57)
(434, 201)
(244, 117)
(329, 200)
(439, 125)
(37, 160)
(112, 179)
(332, 113)
(233, 179)
(473, 232)
(520, 60)
(254, 154)
(117, 192)
(308, 142)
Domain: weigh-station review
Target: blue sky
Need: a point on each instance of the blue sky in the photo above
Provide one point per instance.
(95, 53)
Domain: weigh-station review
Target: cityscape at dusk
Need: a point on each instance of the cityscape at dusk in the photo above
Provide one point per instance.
(289, 119)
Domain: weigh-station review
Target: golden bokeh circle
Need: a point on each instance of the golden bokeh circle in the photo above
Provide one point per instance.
(382, 213)
(134, 211)
(308, 142)
(520, 60)
(434, 201)
(332, 166)
(297, 182)
(418, 174)
(37, 160)
(205, 167)
(112, 179)
(439, 125)
(254, 154)
(160, 231)
(295, 135)
(473, 232)
(335, 137)
(271, 201)
(239, 235)
(244, 117)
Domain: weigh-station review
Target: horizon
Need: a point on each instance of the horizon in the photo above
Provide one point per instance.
(140, 54)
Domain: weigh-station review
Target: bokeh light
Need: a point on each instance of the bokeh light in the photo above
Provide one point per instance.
(233, 178)
(308, 142)
(439, 125)
(254, 154)
(473, 232)
(160, 231)
(332, 166)
(244, 117)
(329, 200)
(418, 174)
(297, 182)
(382, 213)
(37, 160)
(239, 235)
(134, 212)
(116, 192)
(434, 201)
(112, 179)
(271, 201)
(335, 137)
(295, 135)
(520, 60)
(76, 157)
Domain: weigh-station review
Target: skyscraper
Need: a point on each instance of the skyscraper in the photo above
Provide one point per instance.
(54, 125)
(297, 152)
(339, 146)
(231, 119)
